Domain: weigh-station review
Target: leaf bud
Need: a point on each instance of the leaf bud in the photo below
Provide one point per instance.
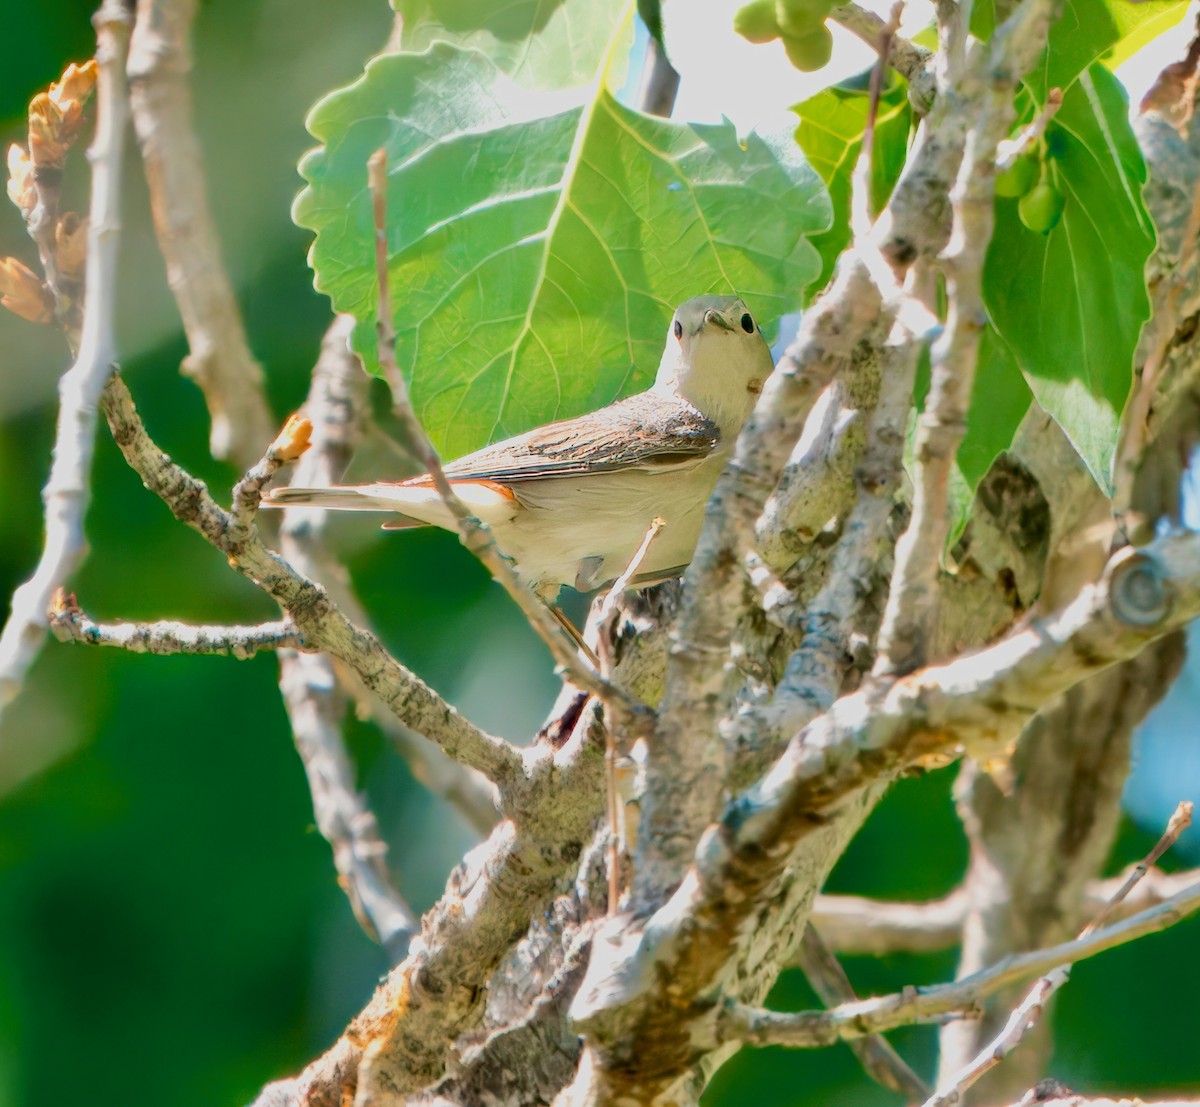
(20, 179)
(23, 293)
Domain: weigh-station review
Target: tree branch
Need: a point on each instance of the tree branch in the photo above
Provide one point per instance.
(988, 80)
(1028, 1013)
(911, 61)
(220, 362)
(70, 624)
(875, 928)
(979, 702)
(308, 682)
(320, 621)
(874, 1052)
(336, 405)
(66, 494)
(812, 1029)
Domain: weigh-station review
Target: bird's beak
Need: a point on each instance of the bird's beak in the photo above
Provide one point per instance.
(717, 319)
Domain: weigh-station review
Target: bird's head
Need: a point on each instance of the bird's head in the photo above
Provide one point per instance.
(715, 358)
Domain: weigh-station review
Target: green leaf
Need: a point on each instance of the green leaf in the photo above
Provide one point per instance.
(1140, 25)
(539, 43)
(535, 259)
(1071, 304)
(830, 134)
(1085, 31)
(1000, 399)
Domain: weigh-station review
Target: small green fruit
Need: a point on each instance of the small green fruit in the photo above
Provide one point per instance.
(1018, 178)
(801, 18)
(756, 21)
(810, 52)
(1041, 207)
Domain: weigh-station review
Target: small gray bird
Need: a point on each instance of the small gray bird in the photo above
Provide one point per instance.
(571, 501)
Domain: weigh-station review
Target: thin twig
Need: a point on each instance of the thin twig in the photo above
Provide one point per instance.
(906, 58)
(608, 607)
(219, 358)
(1011, 149)
(166, 637)
(871, 927)
(860, 194)
(911, 611)
(323, 624)
(875, 1053)
(308, 682)
(813, 1029)
(476, 535)
(67, 493)
(337, 408)
(1029, 1011)
(315, 710)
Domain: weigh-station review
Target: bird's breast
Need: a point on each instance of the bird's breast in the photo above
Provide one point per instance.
(588, 528)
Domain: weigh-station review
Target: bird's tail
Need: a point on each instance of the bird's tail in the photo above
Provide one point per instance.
(413, 503)
(337, 498)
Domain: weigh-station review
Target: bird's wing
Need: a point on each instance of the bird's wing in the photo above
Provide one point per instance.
(648, 431)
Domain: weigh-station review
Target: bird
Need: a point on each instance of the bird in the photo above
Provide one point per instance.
(571, 501)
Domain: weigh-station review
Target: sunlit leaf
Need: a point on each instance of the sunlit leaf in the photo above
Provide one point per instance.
(535, 259)
(830, 134)
(539, 43)
(1070, 304)
(1085, 32)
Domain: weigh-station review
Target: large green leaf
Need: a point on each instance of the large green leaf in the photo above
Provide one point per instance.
(535, 259)
(1071, 304)
(830, 134)
(1087, 29)
(539, 43)
(1084, 32)
(1000, 399)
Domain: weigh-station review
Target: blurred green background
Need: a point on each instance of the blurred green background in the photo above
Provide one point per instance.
(170, 928)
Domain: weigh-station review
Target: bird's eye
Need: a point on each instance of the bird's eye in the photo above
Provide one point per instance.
(678, 328)
(748, 323)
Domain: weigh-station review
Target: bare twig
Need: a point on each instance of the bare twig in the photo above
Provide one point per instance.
(336, 406)
(860, 197)
(636, 717)
(875, 928)
(322, 623)
(66, 493)
(309, 683)
(871, 927)
(989, 79)
(70, 624)
(315, 709)
(907, 58)
(1029, 1011)
(1070, 1100)
(1008, 151)
(220, 361)
(874, 1052)
(931, 1004)
(604, 654)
